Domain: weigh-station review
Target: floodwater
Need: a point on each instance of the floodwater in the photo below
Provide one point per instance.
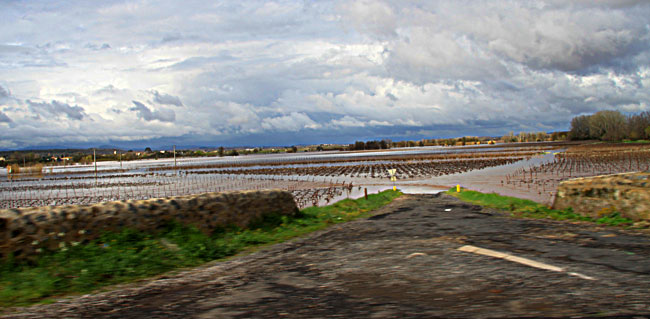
(490, 179)
(81, 184)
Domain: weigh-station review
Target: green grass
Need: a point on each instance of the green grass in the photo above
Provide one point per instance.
(530, 209)
(130, 255)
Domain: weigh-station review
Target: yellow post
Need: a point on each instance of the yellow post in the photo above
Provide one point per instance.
(394, 188)
(457, 188)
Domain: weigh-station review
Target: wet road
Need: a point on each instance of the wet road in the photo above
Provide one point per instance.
(403, 262)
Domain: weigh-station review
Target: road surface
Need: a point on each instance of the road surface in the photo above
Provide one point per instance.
(406, 261)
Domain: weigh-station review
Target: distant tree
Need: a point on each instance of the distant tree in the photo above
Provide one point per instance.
(421, 144)
(559, 136)
(579, 128)
(510, 138)
(319, 148)
(148, 150)
(372, 145)
(220, 151)
(607, 125)
(233, 153)
(293, 149)
(86, 159)
(383, 144)
(637, 125)
(15, 157)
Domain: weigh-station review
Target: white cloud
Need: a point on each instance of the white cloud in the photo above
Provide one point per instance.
(143, 112)
(163, 98)
(55, 109)
(263, 68)
(348, 121)
(375, 17)
(292, 122)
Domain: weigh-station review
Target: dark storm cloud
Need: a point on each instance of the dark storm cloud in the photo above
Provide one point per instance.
(4, 92)
(146, 114)
(166, 99)
(56, 109)
(4, 118)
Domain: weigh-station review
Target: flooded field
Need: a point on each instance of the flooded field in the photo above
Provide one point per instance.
(526, 170)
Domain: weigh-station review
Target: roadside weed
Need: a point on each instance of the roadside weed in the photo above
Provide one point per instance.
(530, 209)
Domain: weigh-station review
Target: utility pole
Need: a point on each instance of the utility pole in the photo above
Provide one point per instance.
(174, 156)
(95, 160)
(120, 160)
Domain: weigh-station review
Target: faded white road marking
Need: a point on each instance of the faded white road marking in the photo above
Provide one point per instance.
(521, 260)
(579, 275)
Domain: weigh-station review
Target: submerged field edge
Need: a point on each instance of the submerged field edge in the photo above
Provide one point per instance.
(131, 255)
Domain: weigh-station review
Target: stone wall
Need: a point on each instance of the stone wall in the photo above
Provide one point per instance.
(25, 232)
(628, 194)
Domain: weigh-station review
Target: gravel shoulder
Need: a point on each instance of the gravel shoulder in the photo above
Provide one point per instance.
(403, 262)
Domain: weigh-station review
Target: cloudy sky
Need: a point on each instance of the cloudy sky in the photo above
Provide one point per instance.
(157, 73)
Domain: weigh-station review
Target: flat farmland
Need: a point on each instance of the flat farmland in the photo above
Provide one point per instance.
(530, 170)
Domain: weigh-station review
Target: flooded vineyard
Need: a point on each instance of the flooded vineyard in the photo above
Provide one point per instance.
(314, 179)
(44, 192)
(527, 170)
(579, 161)
(405, 170)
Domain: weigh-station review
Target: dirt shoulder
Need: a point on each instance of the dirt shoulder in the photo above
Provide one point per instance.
(402, 263)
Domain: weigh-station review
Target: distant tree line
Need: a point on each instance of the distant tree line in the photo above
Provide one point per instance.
(610, 126)
(370, 145)
(534, 137)
(460, 141)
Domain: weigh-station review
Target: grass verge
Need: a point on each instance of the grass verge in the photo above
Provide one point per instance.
(130, 255)
(636, 141)
(527, 208)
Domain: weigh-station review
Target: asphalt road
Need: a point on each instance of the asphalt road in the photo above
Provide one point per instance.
(404, 262)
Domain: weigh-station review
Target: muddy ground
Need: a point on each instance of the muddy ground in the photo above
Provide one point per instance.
(402, 263)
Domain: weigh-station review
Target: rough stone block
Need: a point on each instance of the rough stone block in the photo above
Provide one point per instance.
(628, 194)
